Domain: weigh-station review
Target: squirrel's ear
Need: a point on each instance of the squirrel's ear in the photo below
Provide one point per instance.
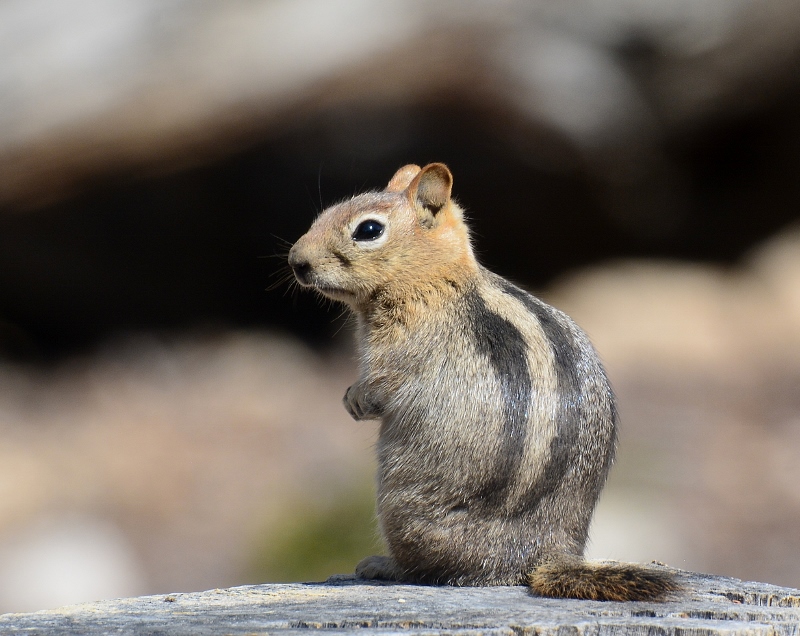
(430, 190)
(403, 177)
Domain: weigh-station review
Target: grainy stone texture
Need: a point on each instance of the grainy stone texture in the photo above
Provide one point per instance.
(715, 605)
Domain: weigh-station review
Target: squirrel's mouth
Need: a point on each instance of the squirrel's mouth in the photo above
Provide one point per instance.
(308, 277)
(335, 293)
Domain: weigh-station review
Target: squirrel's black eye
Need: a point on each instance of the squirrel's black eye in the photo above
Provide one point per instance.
(368, 230)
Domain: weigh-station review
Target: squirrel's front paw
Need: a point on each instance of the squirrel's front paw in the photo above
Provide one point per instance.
(358, 406)
(378, 568)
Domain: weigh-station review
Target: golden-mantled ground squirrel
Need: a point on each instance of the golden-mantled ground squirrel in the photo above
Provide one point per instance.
(498, 423)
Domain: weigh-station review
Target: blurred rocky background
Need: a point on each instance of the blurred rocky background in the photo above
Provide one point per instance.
(167, 423)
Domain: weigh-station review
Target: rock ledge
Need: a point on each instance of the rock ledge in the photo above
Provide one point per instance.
(715, 605)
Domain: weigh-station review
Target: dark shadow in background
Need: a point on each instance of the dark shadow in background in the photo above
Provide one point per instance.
(196, 248)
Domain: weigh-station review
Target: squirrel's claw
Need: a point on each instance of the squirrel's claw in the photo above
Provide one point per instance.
(358, 406)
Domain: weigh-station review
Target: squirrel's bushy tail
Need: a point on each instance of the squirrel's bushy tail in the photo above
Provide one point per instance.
(573, 577)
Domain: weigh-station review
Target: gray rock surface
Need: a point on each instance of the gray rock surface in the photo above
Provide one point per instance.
(714, 605)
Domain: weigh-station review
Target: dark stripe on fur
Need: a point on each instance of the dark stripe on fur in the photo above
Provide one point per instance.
(505, 347)
(567, 357)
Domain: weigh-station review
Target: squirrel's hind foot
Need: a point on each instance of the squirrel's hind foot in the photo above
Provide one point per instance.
(379, 568)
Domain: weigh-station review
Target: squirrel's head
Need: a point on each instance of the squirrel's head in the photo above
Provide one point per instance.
(408, 240)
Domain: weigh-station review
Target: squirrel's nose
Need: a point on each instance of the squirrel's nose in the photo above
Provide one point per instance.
(300, 266)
